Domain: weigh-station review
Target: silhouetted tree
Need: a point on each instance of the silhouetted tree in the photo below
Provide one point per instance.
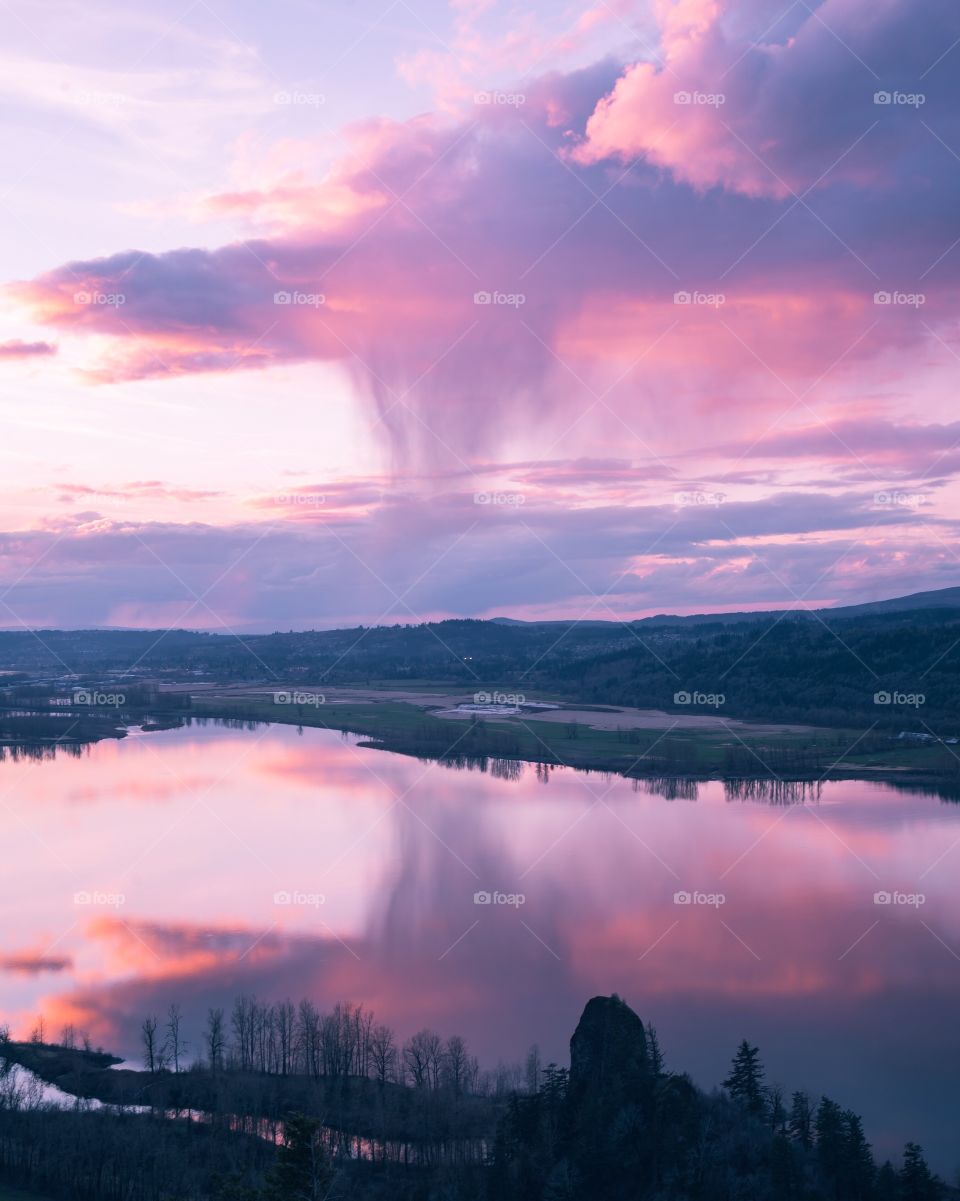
(175, 1046)
(917, 1183)
(745, 1082)
(303, 1171)
(148, 1036)
(800, 1122)
(215, 1039)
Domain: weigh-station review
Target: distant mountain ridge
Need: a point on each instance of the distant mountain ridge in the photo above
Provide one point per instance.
(892, 664)
(940, 598)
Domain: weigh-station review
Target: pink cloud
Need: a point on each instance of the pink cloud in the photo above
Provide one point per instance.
(16, 349)
(768, 115)
(29, 964)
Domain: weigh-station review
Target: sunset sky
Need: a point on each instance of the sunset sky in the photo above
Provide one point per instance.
(718, 367)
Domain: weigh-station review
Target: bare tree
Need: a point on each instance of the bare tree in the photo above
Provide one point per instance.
(215, 1039)
(175, 1046)
(148, 1036)
(456, 1064)
(286, 1018)
(422, 1057)
(383, 1054)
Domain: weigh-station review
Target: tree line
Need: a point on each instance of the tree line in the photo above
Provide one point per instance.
(427, 1125)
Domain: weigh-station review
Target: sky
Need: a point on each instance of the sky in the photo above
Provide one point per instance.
(379, 312)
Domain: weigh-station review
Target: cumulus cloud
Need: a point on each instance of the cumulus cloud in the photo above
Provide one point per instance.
(407, 558)
(577, 219)
(780, 114)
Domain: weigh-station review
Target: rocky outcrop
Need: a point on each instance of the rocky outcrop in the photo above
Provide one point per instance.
(608, 1051)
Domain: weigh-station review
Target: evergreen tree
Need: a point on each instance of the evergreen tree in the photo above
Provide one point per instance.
(831, 1140)
(859, 1172)
(917, 1182)
(745, 1082)
(654, 1051)
(303, 1171)
(888, 1184)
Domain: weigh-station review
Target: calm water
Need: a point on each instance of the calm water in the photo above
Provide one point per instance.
(183, 840)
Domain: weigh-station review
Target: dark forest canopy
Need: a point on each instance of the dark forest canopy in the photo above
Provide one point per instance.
(825, 667)
(284, 1103)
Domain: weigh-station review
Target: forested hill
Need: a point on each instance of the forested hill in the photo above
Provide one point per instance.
(898, 669)
(825, 667)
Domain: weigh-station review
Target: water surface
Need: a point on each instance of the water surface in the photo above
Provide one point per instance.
(159, 868)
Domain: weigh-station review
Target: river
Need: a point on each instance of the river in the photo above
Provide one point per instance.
(190, 865)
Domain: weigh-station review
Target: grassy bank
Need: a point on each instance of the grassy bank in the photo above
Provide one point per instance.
(705, 753)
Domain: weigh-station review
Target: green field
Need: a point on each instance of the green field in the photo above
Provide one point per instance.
(708, 752)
